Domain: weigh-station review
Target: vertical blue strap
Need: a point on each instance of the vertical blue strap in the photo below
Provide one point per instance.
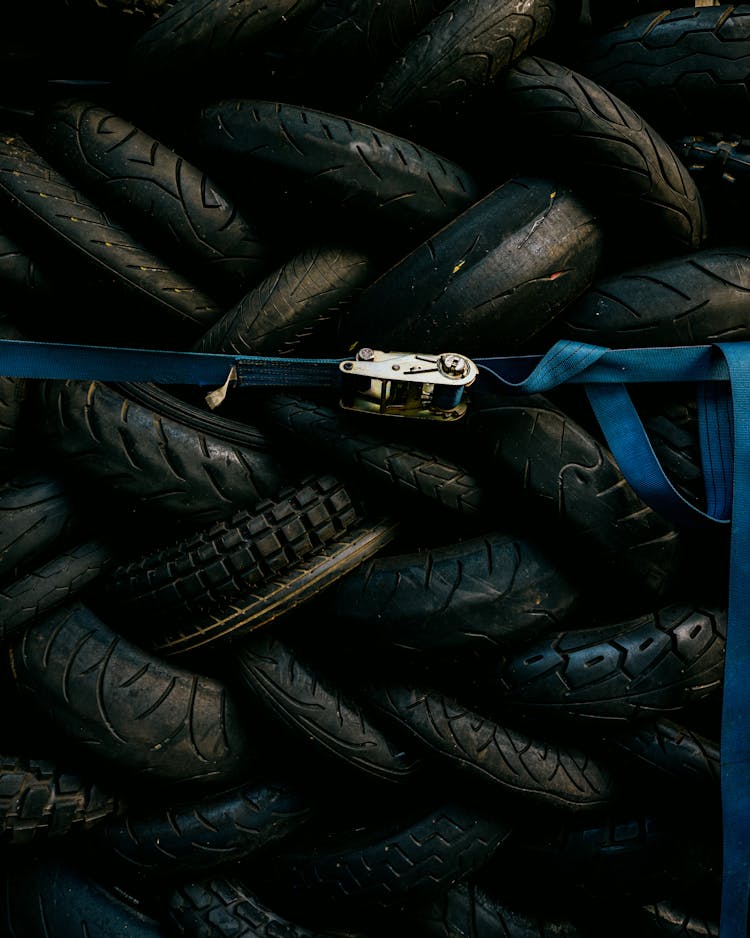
(715, 428)
(633, 453)
(735, 720)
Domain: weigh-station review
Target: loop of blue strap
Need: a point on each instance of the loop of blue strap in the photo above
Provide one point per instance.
(722, 374)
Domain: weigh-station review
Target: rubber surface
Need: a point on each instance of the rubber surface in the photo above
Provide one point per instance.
(128, 709)
(57, 581)
(656, 664)
(482, 593)
(457, 54)
(682, 69)
(532, 770)
(337, 165)
(309, 703)
(489, 280)
(233, 557)
(281, 595)
(68, 221)
(292, 304)
(607, 152)
(561, 479)
(165, 200)
(664, 748)
(12, 395)
(39, 800)
(137, 454)
(198, 835)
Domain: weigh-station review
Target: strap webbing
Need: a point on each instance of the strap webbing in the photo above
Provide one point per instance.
(722, 375)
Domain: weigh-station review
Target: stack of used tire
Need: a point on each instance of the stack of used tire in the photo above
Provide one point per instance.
(280, 669)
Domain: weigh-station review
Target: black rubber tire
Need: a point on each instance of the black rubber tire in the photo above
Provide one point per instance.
(488, 281)
(125, 709)
(233, 557)
(347, 173)
(356, 37)
(417, 857)
(672, 917)
(657, 664)
(694, 299)
(681, 68)
(607, 152)
(57, 581)
(21, 274)
(227, 908)
(522, 767)
(568, 488)
(176, 468)
(619, 854)
(468, 911)
(666, 752)
(280, 596)
(484, 593)
(314, 711)
(51, 897)
(605, 13)
(191, 837)
(335, 438)
(460, 52)
(172, 205)
(286, 310)
(37, 517)
(197, 38)
(39, 800)
(65, 220)
(12, 397)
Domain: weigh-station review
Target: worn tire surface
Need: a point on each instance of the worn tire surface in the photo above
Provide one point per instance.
(176, 468)
(168, 202)
(310, 704)
(607, 152)
(125, 709)
(482, 593)
(681, 68)
(489, 280)
(560, 477)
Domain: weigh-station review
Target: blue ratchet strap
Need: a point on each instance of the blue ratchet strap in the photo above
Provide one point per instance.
(722, 375)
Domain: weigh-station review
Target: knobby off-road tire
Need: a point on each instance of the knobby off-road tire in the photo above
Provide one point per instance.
(337, 439)
(301, 583)
(176, 468)
(568, 487)
(489, 280)
(420, 857)
(457, 54)
(232, 557)
(66, 220)
(124, 708)
(201, 834)
(607, 152)
(285, 311)
(38, 516)
(311, 707)
(52, 897)
(168, 202)
(58, 580)
(527, 768)
(656, 664)
(695, 299)
(40, 800)
(486, 592)
(361, 174)
(681, 68)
